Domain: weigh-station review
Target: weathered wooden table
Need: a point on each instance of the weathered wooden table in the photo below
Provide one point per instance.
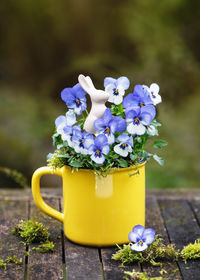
(173, 214)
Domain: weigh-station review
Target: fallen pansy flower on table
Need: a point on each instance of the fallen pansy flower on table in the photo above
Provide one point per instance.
(148, 247)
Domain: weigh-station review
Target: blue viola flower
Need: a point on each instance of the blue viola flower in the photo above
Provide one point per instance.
(82, 141)
(116, 88)
(68, 133)
(138, 119)
(62, 121)
(75, 98)
(141, 237)
(125, 146)
(99, 149)
(153, 91)
(139, 98)
(109, 125)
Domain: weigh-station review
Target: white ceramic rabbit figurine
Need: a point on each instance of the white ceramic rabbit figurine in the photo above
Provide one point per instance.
(98, 100)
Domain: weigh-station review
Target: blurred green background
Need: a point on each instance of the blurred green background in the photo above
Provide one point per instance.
(44, 45)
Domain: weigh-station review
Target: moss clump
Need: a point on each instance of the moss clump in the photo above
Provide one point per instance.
(31, 232)
(2, 264)
(14, 259)
(156, 251)
(191, 251)
(46, 247)
(34, 232)
(140, 276)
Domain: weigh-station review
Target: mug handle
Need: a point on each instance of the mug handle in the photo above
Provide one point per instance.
(37, 195)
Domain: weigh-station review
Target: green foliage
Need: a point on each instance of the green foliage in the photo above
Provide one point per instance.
(35, 232)
(191, 251)
(18, 177)
(159, 144)
(140, 276)
(14, 259)
(156, 251)
(2, 264)
(46, 247)
(31, 232)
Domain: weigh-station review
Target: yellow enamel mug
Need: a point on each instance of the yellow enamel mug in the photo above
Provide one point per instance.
(98, 211)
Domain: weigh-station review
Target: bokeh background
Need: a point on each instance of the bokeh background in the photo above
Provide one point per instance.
(44, 45)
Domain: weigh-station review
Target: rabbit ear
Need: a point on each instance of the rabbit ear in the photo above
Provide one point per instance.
(89, 80)
(85, 82)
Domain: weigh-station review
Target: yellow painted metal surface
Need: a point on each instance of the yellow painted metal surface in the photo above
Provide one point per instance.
(98, 211)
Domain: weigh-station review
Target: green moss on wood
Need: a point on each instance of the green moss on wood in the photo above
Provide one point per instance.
(156, 251)
(191, 251)
(47, 247)
(140, 276)
(31, 231)
(2, 264)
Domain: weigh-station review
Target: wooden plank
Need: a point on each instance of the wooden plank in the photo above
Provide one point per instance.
(82, 262)
(11, 212)
(182, 228)
(113, 269)
(195, 204)
(47, 265)
(155, 221)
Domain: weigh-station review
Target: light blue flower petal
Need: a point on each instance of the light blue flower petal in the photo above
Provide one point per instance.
(89, 141)
(146, 118)
(149, 109)
(109, 80)
(78, 91)
(100, 140)
(107, 117)
(138, 230)
(60, 120)
(71, 118)
(148, 235)
(121, 124)
(123, 138)
(130, 141)
(139, 248)
(138, 90)
(99, 125)
(67, 129)
(97, 159)
(130, 115)
(124, 82)
(132, 237)
(105, 150)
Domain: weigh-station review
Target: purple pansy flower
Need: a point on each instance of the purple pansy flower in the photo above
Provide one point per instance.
(62, 121)
(82, 141)
(116, 88)
(139, 98)
(75, 98)
(125, 146)
(109, 125)
(138, 119)
(68, 133)
(141, 237)
(153, 91)
(99, 149)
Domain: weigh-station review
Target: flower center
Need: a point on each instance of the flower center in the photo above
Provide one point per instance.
(115, 92)
(136, 120)
(107, 129)
(152, 94)
(123, 146)
(140, 242)
(81, 143)
(77, 101)
(98, 152)
(141, 104)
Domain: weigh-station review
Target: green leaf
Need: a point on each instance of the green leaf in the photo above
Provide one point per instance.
(49, 156)
(76, 163)
(123, 163)
(159, 144)
(155, 123)
(158, 159)
(63, 156)
(133, 157)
